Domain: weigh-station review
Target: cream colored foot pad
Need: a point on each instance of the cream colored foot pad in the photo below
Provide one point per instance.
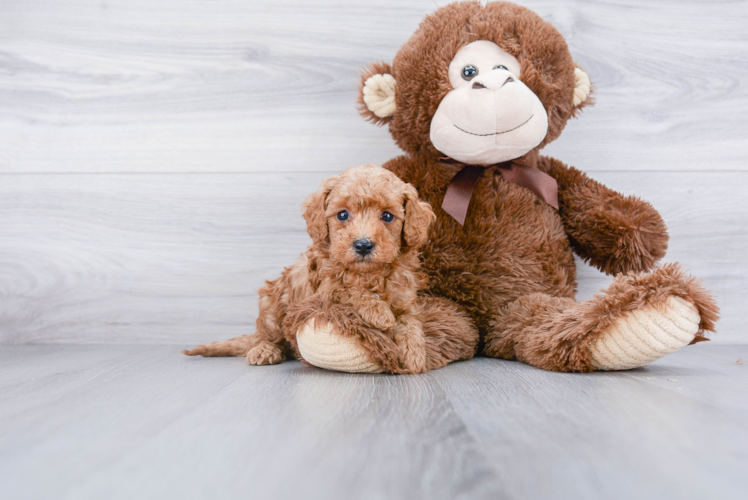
(645, 335)
(321, 347)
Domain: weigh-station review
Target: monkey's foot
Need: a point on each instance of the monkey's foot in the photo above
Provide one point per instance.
(322, 346)
(645, 335)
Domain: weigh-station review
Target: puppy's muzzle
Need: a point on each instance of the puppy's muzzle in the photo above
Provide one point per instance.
(363, 247)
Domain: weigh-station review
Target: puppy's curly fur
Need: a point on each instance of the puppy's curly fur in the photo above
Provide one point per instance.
(371, 295)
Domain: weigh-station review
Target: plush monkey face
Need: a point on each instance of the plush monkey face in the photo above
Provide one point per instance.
(490, 116)
(479, 83)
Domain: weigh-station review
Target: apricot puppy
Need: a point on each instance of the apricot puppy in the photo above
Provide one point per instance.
(360, 271)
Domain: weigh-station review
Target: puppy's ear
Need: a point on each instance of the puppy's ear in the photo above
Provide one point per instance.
(418, 218)
(314, 210)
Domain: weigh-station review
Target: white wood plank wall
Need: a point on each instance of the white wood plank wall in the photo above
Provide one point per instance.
(153, 155)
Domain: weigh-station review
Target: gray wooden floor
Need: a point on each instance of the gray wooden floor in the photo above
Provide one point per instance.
(153, 157)
(124, 422)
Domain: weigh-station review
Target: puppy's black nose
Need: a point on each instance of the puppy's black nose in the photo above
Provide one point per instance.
(363, 247)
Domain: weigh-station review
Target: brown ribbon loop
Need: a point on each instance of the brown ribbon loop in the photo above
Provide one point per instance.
(460, 190)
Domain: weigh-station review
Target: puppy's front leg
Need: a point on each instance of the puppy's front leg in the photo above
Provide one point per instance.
(372, 309)
(411, 344)
(376, 312)
(270, 346)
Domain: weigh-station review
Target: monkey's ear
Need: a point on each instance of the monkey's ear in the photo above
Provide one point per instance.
(582, 90)
(314, 210)
(418, 219)
(376, 93)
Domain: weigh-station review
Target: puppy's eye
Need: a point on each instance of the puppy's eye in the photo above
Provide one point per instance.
(501, 66)
(387, 217)
(343, 215)
(469, 72)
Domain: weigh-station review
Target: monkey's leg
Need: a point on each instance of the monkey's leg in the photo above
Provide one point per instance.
(639, 318)
(449, 332)
(331, 338)
(334, 337)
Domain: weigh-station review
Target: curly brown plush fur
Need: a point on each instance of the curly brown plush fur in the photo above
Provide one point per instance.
(511, 267)
(372, 297)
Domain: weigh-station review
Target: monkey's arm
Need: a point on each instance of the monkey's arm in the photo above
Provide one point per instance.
(612, 232)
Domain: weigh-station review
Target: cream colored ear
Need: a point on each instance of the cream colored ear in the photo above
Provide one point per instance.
(582, 89)
(379, 95)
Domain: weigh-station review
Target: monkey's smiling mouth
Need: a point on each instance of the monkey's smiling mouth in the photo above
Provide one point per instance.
(496, 133)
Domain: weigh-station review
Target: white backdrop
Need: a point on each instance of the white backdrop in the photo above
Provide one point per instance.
(153, 155)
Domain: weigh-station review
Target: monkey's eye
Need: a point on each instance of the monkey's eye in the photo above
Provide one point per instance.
(469, 72)
(501, 66)
(342, 215)
(387, 217)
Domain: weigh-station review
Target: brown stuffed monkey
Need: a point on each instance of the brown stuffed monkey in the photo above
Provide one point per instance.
(471, 98)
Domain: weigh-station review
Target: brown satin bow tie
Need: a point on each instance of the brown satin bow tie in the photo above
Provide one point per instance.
(460, 190)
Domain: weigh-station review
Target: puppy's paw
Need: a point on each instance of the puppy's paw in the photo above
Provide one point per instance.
(379, 315)
(385, 322)
(411, 345)
(266, 353)
(413, 360)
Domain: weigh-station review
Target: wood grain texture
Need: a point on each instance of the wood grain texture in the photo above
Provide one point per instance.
(123, 422)
(153, 155)
(227, 86)
(177, 258)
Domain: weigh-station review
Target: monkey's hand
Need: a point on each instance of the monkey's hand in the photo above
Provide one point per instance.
(612, 232)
